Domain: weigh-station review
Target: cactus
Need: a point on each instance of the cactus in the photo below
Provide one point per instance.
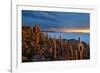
(61, 46)
(81, 48)
(36, 35)
(54, 48)
(71, 51)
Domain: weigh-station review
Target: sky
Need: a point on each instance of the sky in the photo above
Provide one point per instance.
(57, 21)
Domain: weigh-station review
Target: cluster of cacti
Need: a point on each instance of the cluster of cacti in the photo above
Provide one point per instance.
(38, 46)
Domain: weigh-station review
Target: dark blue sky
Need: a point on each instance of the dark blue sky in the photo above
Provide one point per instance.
(56, 20)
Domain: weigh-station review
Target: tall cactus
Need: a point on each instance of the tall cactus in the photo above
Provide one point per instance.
(36, 35)
(80, 48)
(71, 51)
(55, 48)
(61, 43)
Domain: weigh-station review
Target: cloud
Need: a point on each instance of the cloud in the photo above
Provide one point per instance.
(57, 20)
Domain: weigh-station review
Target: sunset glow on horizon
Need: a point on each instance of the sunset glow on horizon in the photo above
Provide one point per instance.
(78, 30)
(74, 30)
